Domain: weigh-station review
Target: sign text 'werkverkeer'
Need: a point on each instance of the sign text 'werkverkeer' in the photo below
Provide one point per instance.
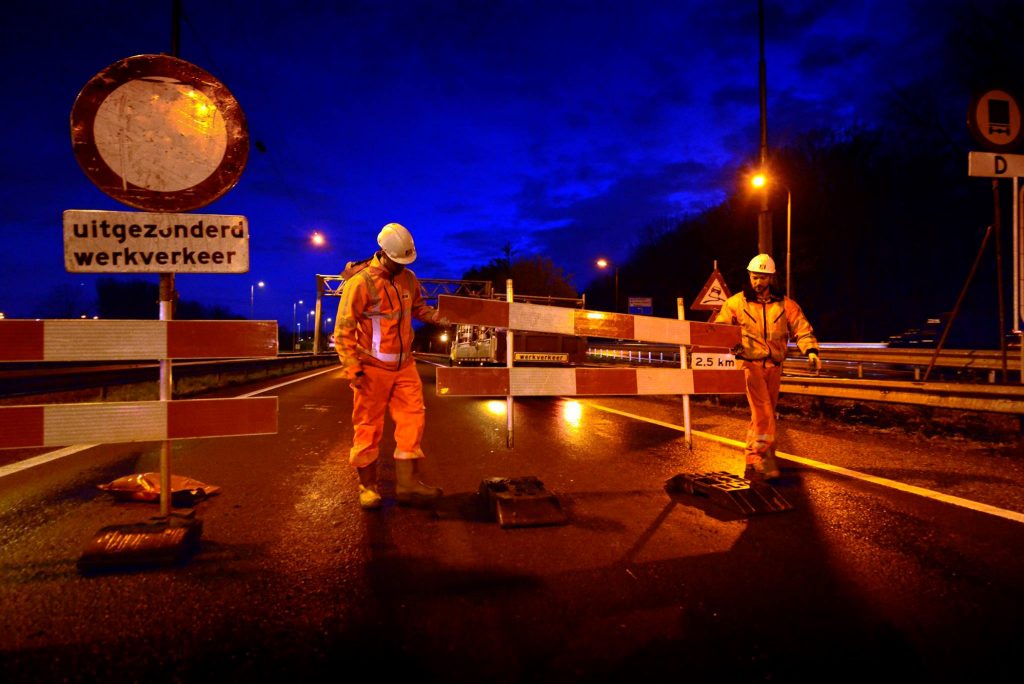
(141, 242)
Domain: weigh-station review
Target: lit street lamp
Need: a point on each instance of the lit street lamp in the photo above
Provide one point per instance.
(252, 297)
(604, 263)
(760, 181)
(295, 326)
(317, 239)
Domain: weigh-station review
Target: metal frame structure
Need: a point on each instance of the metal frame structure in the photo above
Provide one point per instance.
(331, 285)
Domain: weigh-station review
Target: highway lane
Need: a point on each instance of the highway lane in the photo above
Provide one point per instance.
(293, 580)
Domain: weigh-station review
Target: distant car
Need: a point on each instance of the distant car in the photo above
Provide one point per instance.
(926, 336)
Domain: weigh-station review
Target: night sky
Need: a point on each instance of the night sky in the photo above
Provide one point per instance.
(561, 128)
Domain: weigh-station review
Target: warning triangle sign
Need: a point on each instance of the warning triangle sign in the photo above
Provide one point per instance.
(714, 293)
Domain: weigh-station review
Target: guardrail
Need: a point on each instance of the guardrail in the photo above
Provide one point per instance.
(948, 395)
(859, 356)
(953, 359)
(991, 397)
(109, 382)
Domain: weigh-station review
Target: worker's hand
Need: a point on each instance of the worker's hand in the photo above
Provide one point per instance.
(441, 321)
(357, 381)
(813, 362)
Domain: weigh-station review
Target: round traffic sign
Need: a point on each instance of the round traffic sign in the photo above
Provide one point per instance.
(158, 133)
(994, 120)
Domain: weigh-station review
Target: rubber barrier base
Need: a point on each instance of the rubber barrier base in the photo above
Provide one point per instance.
(731, 491)
(136, 546)
(521, 502)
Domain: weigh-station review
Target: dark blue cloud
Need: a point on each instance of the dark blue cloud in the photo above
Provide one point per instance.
(561, 127)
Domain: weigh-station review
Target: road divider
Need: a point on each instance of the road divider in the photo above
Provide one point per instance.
(48, 425)
(532, 382)
(122, 340)
(584, 323)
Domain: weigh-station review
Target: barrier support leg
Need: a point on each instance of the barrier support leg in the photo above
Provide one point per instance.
(687, 434)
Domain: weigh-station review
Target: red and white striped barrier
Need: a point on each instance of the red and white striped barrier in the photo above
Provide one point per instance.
(109, 340)
(582, 323)
(539, 382)
(52, 425)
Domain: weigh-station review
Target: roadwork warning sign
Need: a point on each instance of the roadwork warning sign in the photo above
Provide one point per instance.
(714, 293)
(140, 242)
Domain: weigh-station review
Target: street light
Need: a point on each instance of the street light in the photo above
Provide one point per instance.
(604, 263)
(295, 326)
(761, 181)
(317, 239)
(252, 297)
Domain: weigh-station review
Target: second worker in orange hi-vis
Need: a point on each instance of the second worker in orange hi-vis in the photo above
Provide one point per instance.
(373, 337)
(767, 319)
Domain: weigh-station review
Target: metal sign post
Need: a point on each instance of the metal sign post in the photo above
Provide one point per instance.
(681, 309)
(1000, 165)
(509, 360)
(159, 134)
(995, 121)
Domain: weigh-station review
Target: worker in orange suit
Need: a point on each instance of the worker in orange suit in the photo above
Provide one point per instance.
(373, 336)
(767, 319)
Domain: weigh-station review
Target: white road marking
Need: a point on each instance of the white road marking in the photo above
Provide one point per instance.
(76, 448)
(811, 463)
(42, 458)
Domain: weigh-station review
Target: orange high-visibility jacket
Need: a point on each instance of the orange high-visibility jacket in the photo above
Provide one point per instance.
(374, 321)
(767, 327)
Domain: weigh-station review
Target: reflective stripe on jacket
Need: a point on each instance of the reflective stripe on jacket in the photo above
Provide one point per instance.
(374, 321)
(768, 326)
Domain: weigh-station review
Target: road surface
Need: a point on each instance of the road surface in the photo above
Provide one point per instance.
(901, 557)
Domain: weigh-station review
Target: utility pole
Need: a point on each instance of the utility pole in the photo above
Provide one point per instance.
(764, 218)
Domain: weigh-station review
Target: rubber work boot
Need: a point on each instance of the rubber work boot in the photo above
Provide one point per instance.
(408, 489)
(771, 468)
(369, 494)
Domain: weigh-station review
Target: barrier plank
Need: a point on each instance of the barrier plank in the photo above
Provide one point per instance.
(583, 323)
(533, 382)
(48, 425)
(115, 340)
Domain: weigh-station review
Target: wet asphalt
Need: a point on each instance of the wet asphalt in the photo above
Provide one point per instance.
(292, 581)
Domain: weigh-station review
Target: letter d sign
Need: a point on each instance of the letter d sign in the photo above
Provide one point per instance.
(1000, 164)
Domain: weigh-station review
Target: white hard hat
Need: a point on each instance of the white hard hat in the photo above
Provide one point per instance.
(396, 241)
(762, 263)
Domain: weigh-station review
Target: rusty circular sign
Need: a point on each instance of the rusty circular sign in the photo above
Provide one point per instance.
(994, 120)
(158, 133)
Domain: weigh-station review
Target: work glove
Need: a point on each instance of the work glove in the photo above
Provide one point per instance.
(813, 362)
(357, 381)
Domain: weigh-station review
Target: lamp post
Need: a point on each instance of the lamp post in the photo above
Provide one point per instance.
(295, 325)
(604, 263)
(252, 297)
(761, 181)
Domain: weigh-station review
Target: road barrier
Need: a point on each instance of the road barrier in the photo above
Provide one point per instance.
(512, 382)
(50, 425)
(533, 382)
(64, 424)
(584, 323)
(119, 340)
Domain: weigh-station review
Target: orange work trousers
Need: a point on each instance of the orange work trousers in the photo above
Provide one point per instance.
(763, 381)
(399, 392)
